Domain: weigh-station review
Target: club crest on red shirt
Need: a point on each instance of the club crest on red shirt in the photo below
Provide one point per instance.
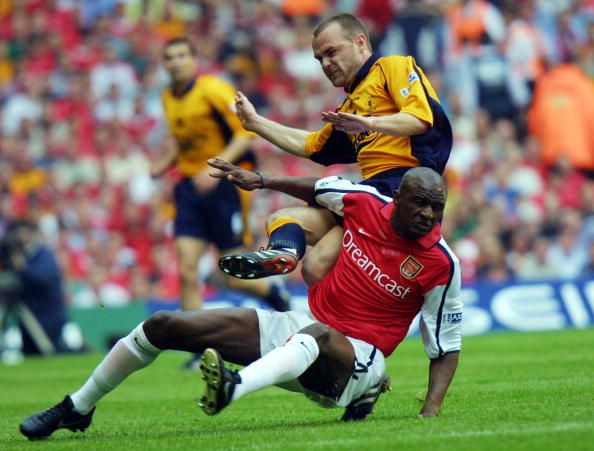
(410, 267)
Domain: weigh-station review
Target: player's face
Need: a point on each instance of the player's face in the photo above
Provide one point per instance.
(179, 62)
(419, 208)
(340, 56)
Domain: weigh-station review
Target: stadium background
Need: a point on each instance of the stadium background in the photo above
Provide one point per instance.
(81, 120)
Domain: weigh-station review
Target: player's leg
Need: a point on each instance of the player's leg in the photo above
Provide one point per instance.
(229, 231)
(315, 223)
(189, 250)
(234, 331)
(272, 293)
(349, 373)
(321, 257)
(289, 230)
(321, 358)
(191, 241)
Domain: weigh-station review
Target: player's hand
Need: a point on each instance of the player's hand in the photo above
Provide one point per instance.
(240, 177)
(203, 182)
(428, 410)
(245, 111)
(346, 122)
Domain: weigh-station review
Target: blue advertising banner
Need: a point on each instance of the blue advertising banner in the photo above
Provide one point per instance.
(534, 306)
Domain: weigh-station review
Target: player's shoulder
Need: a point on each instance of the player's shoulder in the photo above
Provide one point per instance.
(444, 254)
(394, 60)
(439, 265)
(345, 186)
(208, 81)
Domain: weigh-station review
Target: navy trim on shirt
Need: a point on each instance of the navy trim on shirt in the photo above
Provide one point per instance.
(443, 297)
(362, 73)
(187, 88)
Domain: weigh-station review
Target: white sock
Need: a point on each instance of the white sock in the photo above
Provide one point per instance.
(280, 365)
(129, 354)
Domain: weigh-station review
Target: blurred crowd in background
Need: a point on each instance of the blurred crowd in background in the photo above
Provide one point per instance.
(81, 120)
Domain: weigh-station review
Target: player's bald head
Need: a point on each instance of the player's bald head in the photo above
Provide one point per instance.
(424, 178)
(420, 202)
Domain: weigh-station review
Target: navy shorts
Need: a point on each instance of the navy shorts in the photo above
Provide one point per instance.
(386, 182)
(215, 217)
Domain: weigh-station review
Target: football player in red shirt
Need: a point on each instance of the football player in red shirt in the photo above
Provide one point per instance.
(393, 264)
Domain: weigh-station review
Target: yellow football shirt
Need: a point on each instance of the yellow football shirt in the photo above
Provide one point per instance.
(384, 86)
(202, 121)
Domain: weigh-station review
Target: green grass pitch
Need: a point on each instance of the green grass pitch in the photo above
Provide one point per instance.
(530, 391)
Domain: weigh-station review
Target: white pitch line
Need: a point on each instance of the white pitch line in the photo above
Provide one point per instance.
(478, 433)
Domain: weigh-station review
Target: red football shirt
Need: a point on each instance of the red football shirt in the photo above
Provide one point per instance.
(381, 280)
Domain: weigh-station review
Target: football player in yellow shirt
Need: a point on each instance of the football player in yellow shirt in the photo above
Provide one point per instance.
(200, 113)
(390, 121)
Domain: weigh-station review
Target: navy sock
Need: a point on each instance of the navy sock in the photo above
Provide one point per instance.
(288, 236)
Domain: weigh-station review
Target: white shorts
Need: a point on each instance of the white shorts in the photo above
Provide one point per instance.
(369, 369)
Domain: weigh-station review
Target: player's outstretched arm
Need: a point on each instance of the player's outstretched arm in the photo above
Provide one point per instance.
(399, 124)
(441, 373)
(291, 140)
(299, 187)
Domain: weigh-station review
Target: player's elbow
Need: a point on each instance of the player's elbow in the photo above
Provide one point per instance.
(421, 127)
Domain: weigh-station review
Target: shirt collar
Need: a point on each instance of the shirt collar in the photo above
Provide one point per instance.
(426, 242)
(189, 85)
(362, 73)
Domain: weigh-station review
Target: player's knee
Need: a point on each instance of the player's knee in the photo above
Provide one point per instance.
(280, 214)
(320, 332)
(158, 328)
(187, 273)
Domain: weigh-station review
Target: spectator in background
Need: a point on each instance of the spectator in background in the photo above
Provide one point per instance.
(112, 71)
(567, 253)
(561, 117)
(416, 29)
(38, 284)
(298, 60)
(25, 103)
(588, 269)
(6, 65)
(524, 50)
(476, 68)
(114, 106)
(377, 15)
(536, 265)
(311, 8)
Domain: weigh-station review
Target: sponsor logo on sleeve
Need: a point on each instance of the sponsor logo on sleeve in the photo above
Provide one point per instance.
(410, 267)
(404, 92)
(412, 77)
(451, 318)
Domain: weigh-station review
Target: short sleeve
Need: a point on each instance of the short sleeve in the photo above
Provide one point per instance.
(441, 313)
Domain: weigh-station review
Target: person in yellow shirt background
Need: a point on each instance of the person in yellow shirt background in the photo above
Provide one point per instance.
(200, 115)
